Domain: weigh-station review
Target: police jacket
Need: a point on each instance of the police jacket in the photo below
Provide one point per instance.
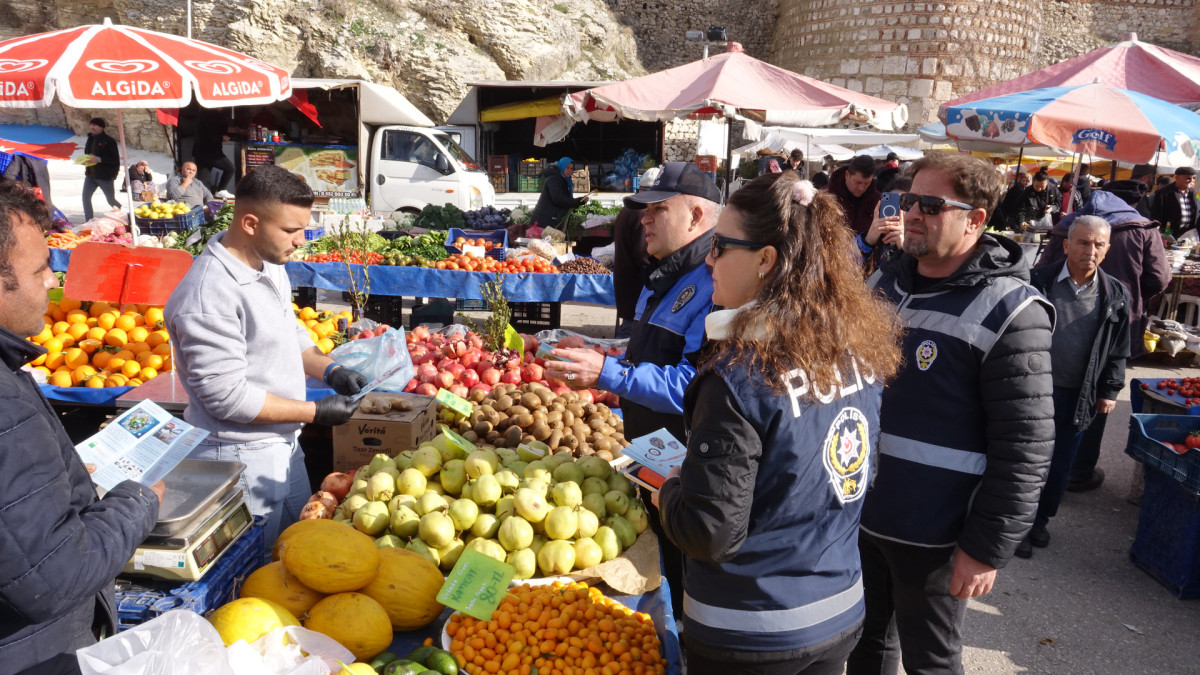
(61, 545)
(653, 373)
(767, 506)
(967, 426)
(1105, 374)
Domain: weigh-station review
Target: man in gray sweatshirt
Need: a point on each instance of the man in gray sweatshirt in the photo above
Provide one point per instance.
(241, 355)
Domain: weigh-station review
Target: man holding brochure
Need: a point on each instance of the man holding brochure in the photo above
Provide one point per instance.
(241, 355)
(62, 545)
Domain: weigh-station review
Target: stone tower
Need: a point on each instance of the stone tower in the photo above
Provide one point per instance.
(918, 53)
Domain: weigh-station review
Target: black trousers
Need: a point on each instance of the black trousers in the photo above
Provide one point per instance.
(827, 658)
(911, 616)
(204, 172)
(1088, 453)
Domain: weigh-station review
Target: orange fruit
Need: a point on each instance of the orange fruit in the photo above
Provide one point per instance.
(41, 358)
(57, 314)
(116, 380)
(307, 313)
(75, 357)
(59, 379)
(150, 360)
(323, 329)
(106, 320)
(99, 307)
(55, 360)
(166, 365)
(117, 337)
(125, 322)
(101, 360)
(147, 374)
(88, 345)
(77, 316)
(134, 382)
(158, 337)
(67, 340)
(41, 337)
(154, 316)
(313, 336)
(124, 354)
(115, 363)
(130, 368)
(138, 347)
(96, 333)
(91, 322)
(139, 334)
(53, 344)
(163, 350)
(60, 327)
(94, 382)
(69, 304)
(325, 345)
(82, 374)
(77, 330)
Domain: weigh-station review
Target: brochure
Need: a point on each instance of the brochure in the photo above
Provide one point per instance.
(653, 455)
(143, 444)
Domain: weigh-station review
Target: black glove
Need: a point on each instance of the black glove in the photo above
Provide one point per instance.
(345, 381)
(335, 410)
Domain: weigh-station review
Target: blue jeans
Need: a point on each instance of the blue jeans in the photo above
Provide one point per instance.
(89, 188)
(275, 481)
(1066, 442)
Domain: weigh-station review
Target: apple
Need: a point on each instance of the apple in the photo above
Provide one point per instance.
(531, 372)
(459, 390)
(444, 379)
(426, 372)
(468, 378)
(511, 376)
(490, 377)
(363, 335)
(411, 386)
(427, 389)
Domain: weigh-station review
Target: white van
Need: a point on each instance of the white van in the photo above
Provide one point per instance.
(412, 166)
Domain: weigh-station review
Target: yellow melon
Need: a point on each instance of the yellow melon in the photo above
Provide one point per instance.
(406, 586)
(249, 619)
(356, 621)
(332, 559)
(296, 528)
(273, 582)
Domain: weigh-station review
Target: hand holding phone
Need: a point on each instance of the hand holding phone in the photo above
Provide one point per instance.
(889, 205)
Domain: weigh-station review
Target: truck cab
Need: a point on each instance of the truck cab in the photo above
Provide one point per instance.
(414, 166)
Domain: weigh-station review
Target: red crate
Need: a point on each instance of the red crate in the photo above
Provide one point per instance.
(707, 163)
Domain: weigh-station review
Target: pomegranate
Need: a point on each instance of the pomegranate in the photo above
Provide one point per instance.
(511, 376)
(455, 368)
(470, 359)
(338, 484)
(420, 333)
(459, 390)
(486, 389)
(490, 377)
(468, 378)
(315, 511)
(411, 386)
(426, 389)
(531, 372)
(426, 372)
(443, 379)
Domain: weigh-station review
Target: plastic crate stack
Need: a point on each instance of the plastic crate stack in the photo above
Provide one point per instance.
(141, 601)
(181, 223)
(497, 168)
(497, 237)
(531, 317)
(529, 175)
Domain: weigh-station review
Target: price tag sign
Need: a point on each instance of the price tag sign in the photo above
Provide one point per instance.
(476, 585)
(461, 406)
(533, 449)
(513, 340)
(477, 251)
(457, 441)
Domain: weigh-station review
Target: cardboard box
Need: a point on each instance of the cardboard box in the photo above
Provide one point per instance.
(364, 436)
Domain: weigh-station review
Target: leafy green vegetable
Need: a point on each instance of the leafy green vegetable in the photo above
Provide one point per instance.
(571, 222)
(350, 240)
(440, 217)
(199, 237)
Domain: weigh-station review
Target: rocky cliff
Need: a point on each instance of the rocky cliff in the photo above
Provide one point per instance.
(429, 51)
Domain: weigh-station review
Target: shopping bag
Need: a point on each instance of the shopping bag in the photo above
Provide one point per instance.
(291, 650)
(178, 642)
(375, 356)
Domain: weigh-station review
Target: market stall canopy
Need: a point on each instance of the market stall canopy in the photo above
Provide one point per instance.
(847, 137)
(1131, 64)
(377, 104)
(882, 151)
(782, 146)
(1095, 119)
(732, 85)
(114, 66)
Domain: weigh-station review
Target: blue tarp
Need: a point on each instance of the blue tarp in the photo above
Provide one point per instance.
(106, 396)
(426, 283)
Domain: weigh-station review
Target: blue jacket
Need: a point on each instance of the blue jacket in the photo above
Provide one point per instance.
(967, 428)
(654, 372)
(767, 509)
(60, 546)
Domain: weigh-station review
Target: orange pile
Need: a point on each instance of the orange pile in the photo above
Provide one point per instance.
(471, 263)
(322, 326)
(95, 344)
(559, 629)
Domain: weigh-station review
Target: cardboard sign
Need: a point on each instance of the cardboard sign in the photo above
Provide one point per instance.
(476, 585)
(461, 406)
(119, 274)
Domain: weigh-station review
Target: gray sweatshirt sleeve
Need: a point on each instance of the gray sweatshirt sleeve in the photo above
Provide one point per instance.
(215, 349)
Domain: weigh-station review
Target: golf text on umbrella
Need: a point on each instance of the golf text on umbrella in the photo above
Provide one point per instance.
(1100, 136)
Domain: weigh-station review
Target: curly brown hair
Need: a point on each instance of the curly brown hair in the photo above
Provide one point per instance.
(814, 308)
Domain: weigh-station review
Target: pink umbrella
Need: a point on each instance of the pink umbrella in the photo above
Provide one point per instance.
(1137, 66)
(733, 84)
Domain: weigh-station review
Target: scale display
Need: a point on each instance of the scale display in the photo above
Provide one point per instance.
(211, 546)
(196, 553)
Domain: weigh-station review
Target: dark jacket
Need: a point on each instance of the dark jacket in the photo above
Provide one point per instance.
(654, 372)
(1164, 207)
(1105, 374)
(103, 146)
(32, 171)
(1008, 213)
(61, 545)
(885, 176)
(556, 199)
(763, 468)
(135, 175)
(967, 427)
(629, 259)
(1133, 192)
(1136, 255)
(860, 211)
(1035, 202)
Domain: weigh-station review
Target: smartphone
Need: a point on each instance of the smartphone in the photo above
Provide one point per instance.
(889, 204)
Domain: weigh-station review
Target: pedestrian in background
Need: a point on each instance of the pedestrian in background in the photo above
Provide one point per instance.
(103, 170)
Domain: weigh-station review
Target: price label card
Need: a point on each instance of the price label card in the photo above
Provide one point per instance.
(476, 585)
(457, 440)
(461, 406)
(477, 251)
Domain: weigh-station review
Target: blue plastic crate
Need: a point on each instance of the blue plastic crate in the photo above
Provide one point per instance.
(1167, 545)
(6, 158)
(144, 600)
(313, 233)
(470, 305)
(499, 237)
(182, 223)
(1147, 433)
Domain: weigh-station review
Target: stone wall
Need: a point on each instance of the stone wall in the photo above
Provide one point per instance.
(1073, 27)
(679, 140)
(659, 26)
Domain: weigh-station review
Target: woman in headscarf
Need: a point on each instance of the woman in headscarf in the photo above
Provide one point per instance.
(557, 197)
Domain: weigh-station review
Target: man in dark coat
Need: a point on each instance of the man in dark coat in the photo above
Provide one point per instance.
(1041, 199)
(629, 260)
(62, 545)
(104, 171)
(855, 188)
(1174, 206)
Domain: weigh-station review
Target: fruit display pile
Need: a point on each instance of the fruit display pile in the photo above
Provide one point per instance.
(1188, 388)
(355, 257)
(536, 510)
(67, 240)
(472, 263)
(97, 345)
(486, 218)
(162, 210)
(322, 327)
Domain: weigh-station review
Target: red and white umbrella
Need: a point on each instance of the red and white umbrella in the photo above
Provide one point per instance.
(113, 66)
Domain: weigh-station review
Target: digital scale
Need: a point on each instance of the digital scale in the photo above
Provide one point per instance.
(202, 513)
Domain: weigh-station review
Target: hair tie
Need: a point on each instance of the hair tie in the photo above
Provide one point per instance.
(803, 192)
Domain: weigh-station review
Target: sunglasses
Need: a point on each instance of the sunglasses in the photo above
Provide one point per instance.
(719, 244)
(930, 205)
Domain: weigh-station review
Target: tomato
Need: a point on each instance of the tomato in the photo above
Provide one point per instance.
(1192, 440)
(1179, 449)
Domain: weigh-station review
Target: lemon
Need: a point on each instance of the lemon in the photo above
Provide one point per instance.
(249, 619)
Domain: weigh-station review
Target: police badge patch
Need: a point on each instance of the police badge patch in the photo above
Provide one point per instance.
(926, 353)
(846, 453)
(685, 295)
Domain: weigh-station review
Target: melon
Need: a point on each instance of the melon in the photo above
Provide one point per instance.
(249, 619)
(332, 560)
(356, 621)
(406, 586)
(296, 528)
(273, 582)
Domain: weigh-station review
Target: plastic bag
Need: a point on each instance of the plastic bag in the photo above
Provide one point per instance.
(373, 357)
(289, 651)
(555, 335)
(179, 642)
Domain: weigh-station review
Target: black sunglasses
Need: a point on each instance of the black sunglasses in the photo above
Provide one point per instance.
(719, 244)
(930, 205)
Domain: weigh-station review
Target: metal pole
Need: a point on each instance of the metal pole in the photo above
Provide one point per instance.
(728, 155)
(1020, 156)
(128, 186)
(189, 19)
